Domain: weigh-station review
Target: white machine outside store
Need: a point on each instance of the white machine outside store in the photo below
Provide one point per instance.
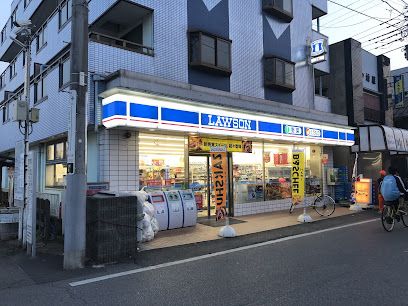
(176, 212)
(174, 209)
(161, 209)
(190, 207)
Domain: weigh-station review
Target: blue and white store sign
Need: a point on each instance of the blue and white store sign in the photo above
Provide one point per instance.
(120, 110)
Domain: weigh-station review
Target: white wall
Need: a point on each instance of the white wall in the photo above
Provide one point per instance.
(247, 47)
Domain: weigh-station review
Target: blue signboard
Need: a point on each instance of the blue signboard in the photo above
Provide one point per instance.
(195, 119)
(211, 120)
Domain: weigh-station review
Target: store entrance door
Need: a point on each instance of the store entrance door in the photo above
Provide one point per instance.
(200, 180)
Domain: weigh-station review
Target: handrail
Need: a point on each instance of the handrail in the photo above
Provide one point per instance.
(126, 44)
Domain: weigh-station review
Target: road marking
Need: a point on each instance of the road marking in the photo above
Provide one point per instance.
(197, 258)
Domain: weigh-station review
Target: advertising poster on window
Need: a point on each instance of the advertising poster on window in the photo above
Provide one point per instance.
(298, 177)
(201, 144)
(219, 177)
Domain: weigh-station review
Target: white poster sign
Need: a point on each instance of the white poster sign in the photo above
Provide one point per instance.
(31, 203)
(19, 175)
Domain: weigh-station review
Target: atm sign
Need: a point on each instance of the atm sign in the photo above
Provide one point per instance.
(313, 132)
(293, 130)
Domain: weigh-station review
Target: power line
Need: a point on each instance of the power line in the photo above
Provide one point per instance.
(344, 26)
(393, 49)
(386, 2)
(341, 19)
(342, 15)
(372, 17)
(370, 29)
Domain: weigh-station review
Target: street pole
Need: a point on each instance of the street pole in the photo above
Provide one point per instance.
(75, 207)
(27, 50)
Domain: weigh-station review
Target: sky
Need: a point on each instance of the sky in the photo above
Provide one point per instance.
(378, 35)
(341, 23)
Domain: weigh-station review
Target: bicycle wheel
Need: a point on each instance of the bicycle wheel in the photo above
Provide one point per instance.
(387, 218)
(324, 205)
(404, 216)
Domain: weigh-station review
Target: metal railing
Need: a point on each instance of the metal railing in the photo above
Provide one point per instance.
(120, 43)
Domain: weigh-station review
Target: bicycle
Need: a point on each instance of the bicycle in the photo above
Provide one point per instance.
(390, 214)
(324, 205)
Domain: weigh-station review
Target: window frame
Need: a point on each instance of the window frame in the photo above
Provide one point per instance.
(42, 97)
(270, 7)
(273, 83)
(3, 35)
(64, 6)
(13, 17)
(3, 79)
(54, 162)
(40, 39)
(26, 3)
(12, 69)
(373, 79)
(6, 113)
(199, 63)
(61, 72)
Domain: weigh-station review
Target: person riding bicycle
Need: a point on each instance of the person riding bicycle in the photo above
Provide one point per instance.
(393, 188)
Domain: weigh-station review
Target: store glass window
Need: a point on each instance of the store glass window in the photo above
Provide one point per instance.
(161, 161)
(248, 175)
(278, 158)
(56, 165)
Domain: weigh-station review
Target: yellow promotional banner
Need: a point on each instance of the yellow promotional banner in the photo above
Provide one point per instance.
(219, 177)
(201, 144)
(298, 177)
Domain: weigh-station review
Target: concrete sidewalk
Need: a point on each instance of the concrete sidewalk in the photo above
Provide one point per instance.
(18, 270)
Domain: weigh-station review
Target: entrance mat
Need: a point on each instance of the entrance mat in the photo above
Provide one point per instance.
(211, 222)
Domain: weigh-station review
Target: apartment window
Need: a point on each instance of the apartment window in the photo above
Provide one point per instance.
(65, 13)
(13, 18)
(41, 38)
(2, 80)
(40, 89)
(367, 76)
(12, 69)
(64, 72)
(210, 52)
(282, 9)
(6, 112)
(279, 73)
(3, 35)
(24, 57)
(373, 79)
(56, 165)
(26, 3)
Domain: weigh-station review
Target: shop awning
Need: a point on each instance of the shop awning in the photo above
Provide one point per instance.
(381, 138)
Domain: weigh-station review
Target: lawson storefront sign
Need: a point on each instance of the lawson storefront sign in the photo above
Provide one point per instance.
(121, 110)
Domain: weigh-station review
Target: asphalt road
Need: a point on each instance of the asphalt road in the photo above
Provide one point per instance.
(359, 265)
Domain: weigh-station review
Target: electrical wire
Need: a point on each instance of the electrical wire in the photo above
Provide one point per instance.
(393, 50)
(361, 13)
(375, 31)
(386, 2)
(339, 18)
(342, 15)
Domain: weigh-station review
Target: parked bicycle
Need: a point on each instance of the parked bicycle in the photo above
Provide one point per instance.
(390, 214)
(323, 204)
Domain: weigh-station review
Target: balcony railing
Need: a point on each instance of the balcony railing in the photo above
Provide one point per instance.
(372, 115)
(120, 43)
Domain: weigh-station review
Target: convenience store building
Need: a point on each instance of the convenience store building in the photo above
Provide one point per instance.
(152, 141)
